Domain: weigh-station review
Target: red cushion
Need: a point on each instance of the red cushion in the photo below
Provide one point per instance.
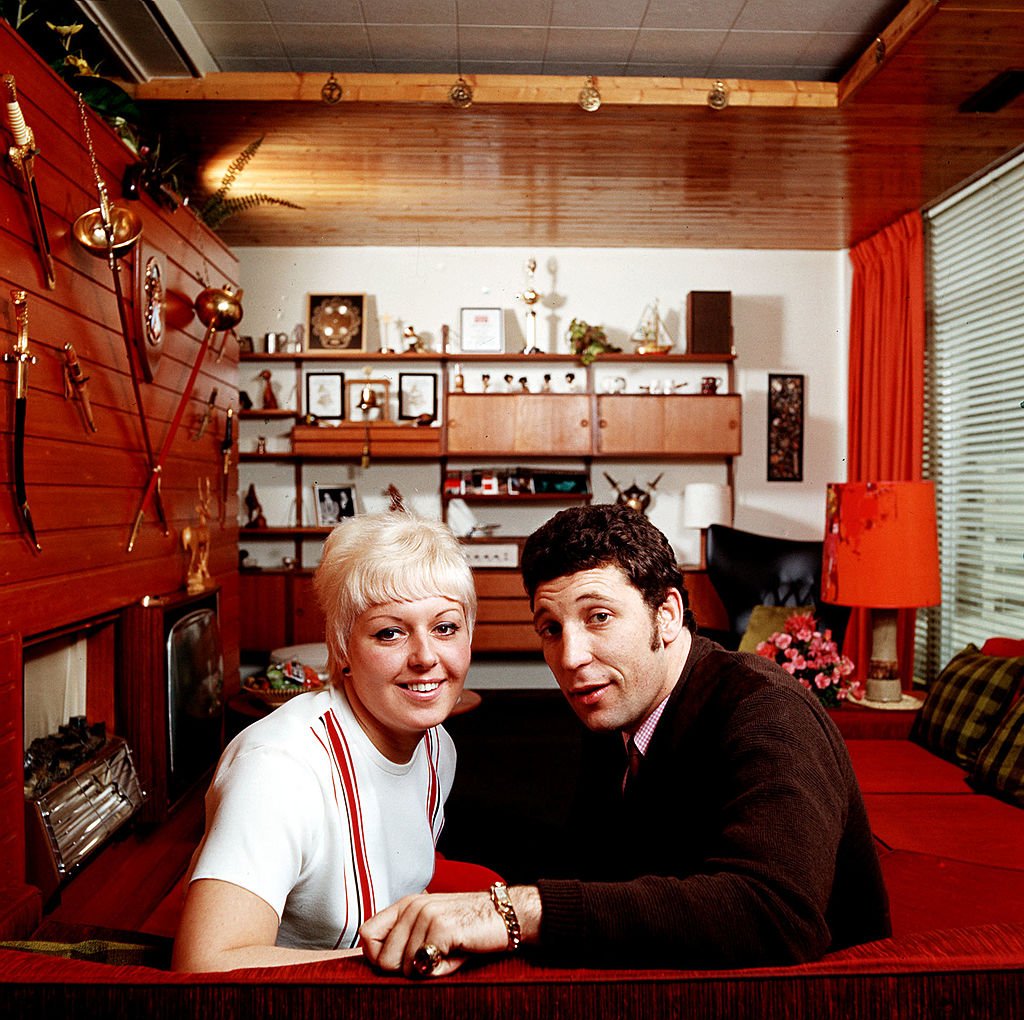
(1003, 647)
(460, 876)
(928, 892)
(898, 766)
(967, 827)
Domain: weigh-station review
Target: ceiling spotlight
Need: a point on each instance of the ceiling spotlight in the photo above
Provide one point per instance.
(718, 97)
(589, 98)
(331, 92)
(460, 95)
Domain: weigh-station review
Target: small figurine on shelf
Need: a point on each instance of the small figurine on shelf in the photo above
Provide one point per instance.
(446, 339)
(414, 343)
(485, 382)
(244, 400)
(261, 445)
(385, 323)
(254, 509)
(509, 382)
(571, 386)
(524, 385)
(269, 401)
(546, 386)
(460, 381)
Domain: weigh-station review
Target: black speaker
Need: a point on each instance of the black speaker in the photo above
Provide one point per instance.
(709, 322)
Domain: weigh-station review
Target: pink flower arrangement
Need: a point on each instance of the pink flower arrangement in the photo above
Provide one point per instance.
(813, 658)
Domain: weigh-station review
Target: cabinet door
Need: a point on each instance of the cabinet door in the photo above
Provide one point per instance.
(630, 424)
(263, 611)
(307, 619)
(703, 425)
(500, 424)
(481, 423)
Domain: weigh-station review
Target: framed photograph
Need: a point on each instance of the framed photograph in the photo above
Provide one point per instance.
(417, 395)
(335, 322)
(325, 395)
(482, 331)
(333, 503)
(785, 428)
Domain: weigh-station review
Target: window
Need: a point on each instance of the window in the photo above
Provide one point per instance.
(974, 421)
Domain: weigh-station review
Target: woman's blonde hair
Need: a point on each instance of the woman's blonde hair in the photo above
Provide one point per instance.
(387, 557)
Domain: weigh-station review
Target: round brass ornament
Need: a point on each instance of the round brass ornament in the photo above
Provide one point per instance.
(718, 97)
(589, 98)
(460, 95)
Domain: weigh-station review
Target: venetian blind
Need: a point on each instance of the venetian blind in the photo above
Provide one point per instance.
(974, 422)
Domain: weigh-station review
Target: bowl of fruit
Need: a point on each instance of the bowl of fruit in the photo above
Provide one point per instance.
(283, 680)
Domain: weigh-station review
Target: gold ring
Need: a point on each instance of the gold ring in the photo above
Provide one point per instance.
(427, 957)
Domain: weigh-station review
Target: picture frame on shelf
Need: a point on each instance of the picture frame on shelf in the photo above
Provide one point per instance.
(482, 331)
(417, 395)
(785, 427)
(333, 503)
(335, 323)
(325, 395)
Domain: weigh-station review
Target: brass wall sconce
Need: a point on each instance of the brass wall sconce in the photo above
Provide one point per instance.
(718, 97)
(460, 95)
(589, 98)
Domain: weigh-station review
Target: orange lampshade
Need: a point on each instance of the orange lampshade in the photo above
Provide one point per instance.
(881, 546)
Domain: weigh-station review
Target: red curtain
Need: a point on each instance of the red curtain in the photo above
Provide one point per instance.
(886, 396)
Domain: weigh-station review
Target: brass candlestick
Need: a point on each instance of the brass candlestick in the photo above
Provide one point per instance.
(530, 297)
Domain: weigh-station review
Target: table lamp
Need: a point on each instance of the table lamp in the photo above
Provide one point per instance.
(704, 504)
(881, 553)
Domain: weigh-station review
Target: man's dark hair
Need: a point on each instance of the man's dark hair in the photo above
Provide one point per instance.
(585, 537)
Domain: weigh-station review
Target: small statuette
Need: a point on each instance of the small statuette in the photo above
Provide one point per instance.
(485, 382)
(524, 384)
(509, 382)
(261, 445)
(546, 386)
(460, 381)
(571, 386)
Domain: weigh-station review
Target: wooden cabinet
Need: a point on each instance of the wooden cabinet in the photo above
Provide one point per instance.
(669, 426)
(519, 424)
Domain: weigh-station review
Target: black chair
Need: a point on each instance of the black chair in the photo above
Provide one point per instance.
(749, 570)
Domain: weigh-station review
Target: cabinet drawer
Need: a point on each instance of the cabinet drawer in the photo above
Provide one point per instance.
(349, 440)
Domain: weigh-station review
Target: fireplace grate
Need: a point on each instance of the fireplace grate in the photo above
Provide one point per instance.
(81, 813)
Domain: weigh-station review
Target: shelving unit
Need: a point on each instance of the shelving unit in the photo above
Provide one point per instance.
(501, 429)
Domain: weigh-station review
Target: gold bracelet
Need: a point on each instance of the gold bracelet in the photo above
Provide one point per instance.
(503, 905)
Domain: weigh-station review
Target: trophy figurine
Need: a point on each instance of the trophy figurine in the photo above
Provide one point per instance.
(530, 297)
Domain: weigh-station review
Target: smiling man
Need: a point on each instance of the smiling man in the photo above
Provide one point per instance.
(720, 823)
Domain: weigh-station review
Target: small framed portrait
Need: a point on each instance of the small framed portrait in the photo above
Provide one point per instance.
(482, 331)
(417, 395)
(335, 322)
(333, 503)
(325, 395)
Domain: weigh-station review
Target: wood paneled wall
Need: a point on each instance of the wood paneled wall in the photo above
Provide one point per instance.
(84, 488)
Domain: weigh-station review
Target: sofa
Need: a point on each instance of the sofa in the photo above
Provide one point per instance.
(949, 844)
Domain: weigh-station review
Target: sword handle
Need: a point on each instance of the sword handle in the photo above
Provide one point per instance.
(15, 118)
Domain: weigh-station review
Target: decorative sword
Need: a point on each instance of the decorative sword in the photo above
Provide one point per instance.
(21, 356)
(225, 467)
(22, 154)
(76, 385)
(211, 406)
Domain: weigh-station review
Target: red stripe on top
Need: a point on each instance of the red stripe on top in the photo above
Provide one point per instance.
(334, 787)
(350, 789)
(433, 783)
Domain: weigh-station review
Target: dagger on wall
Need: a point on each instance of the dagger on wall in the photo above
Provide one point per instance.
(21, 357)
(23, 154)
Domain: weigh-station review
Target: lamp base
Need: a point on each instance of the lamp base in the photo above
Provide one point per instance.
(883, 689)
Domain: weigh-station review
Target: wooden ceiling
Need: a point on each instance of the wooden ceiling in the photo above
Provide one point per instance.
(784, 166)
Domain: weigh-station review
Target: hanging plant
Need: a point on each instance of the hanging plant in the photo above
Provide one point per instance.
(219, 206)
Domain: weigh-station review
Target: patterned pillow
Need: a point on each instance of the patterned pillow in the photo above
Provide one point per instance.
(1000, 766)
(964, 704)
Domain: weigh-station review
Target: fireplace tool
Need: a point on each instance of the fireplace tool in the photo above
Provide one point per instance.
(218, 309)
(111, 232)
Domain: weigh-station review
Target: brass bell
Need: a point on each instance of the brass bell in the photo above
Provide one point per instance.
(90, 231)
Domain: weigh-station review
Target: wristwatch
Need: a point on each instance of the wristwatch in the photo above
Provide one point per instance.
(503, 905)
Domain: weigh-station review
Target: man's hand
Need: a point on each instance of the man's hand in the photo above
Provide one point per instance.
(459, 924)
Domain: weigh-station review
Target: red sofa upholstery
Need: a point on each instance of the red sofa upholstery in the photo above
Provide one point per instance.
(952, 863)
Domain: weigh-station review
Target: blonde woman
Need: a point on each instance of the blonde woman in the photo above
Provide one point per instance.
(328, 810)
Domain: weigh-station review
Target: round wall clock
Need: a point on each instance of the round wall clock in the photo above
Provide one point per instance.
(150, 303)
